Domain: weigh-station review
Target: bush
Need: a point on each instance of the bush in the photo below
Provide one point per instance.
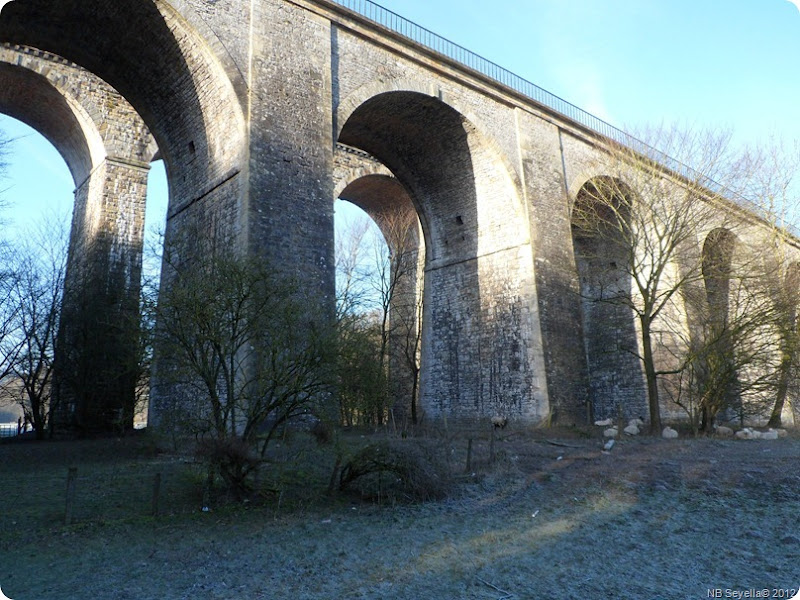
(407, 471)
(233, 459)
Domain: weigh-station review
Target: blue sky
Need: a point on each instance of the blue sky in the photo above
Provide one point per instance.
(37, 182)
(731, 63)
(702, 63)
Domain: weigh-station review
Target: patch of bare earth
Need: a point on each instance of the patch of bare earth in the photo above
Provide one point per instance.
(552, 517)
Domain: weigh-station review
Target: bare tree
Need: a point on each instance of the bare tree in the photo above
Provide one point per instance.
(775, 190)
(639, 224)
(362, 387)
(34, 305)
(7, 276)
(727, 363)
(410, 340)
(701, 259)
(379, 299)
(353, 245)
(243, 356)
(397, 281)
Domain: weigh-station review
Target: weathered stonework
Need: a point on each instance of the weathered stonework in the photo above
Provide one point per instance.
(248, 103)
(108, 150)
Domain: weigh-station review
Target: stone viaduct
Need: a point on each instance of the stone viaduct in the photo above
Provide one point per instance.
(265, 111)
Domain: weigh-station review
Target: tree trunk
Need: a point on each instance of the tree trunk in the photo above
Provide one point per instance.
(650, 376)
(783, 388)
(707, 420)
(414, 386)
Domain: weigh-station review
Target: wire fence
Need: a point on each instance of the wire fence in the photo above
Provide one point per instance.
(99, 493)
(466, 58)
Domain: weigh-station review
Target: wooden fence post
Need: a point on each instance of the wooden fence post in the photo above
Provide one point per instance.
(72, 476)
(156, 493)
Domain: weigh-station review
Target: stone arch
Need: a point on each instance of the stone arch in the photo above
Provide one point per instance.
(350, 164)
(719, 248)
(601, 254)
(181, 91)
(153, 57)
(480, 299)
(31, 98)
(364, 181)
(383, 197)
(355, 99)
(123, 134)
(105, 145)
(718, 370)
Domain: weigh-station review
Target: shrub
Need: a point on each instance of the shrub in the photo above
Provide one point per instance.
(233, 459)
(407, 471)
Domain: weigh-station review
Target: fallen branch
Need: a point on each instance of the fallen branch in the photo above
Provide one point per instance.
(506, 595)
(559, 444)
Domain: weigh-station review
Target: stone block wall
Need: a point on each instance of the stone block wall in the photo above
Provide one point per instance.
(247, 101)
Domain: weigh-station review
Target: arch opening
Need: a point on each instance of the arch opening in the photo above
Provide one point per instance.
(35, 216)
(718, 250)
(718, 378)
(601, 246)
(481, 347)
(30, 98)
(107, 149)
(380, 293)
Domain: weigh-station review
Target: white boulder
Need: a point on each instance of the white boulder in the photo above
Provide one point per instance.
(499, 421)
(611, 432)
(723, 431)
(769, 434)
(748, 433)
(637, 422)
(669, 433)
(604, 423)
(631, 430)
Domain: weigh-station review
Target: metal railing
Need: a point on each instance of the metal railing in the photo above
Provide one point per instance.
(430, 40)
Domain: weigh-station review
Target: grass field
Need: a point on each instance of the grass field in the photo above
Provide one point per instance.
(552, 517)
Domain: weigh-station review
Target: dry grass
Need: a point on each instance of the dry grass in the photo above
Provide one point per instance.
(553, 518)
